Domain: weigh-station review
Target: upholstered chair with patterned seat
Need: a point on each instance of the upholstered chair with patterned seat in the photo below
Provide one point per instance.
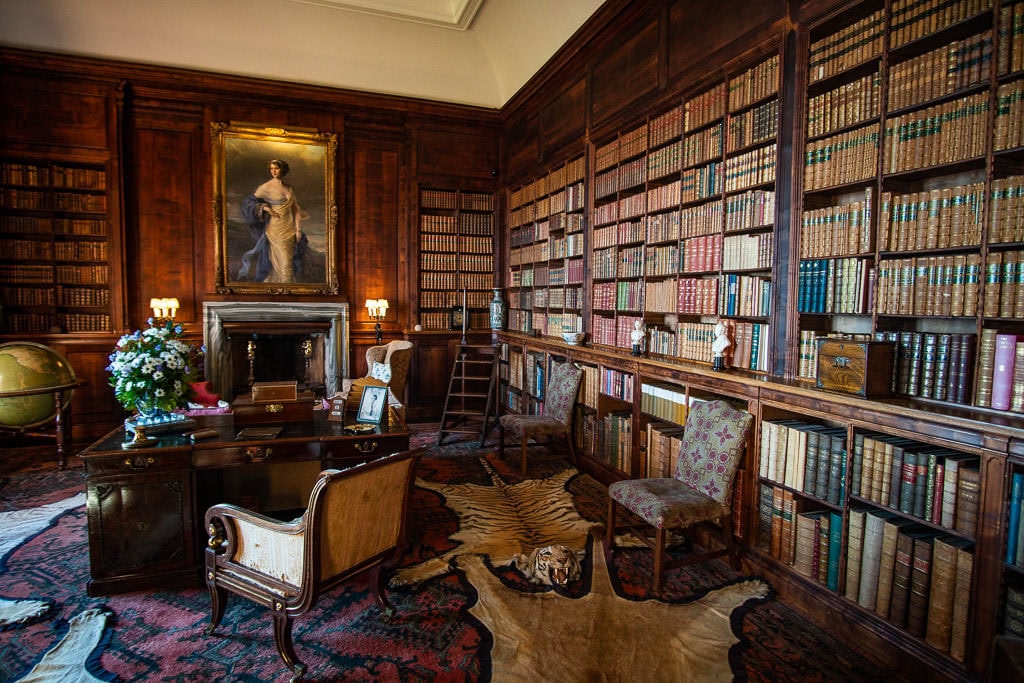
(555, 423)
(354, 524)
(714, 440)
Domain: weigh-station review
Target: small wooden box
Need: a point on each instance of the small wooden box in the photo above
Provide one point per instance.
(861, 368)
(255, 412)
(274, 391)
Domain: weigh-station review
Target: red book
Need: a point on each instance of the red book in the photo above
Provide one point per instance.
(1002, 371)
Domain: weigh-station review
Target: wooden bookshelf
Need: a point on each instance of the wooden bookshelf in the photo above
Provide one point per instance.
(456, 253)
(55, 253)
(546, 222)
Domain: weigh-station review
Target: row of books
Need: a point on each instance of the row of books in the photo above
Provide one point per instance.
(807, 355)
(690, 296)
(756, 167)
(929, 285)
(931, 365)
(745, 295)
(565, 297)
(756, 83)
(1000, 371)
(1009, 132)
(433, 223)
(941, 134)
(554, 324)
(18, 173)
(476, 224)
(837, 285)
(663, 442)
(85, 322)
(28, 296)
(83, 275)
(846, 48)
(1007, 211)
(748, 251)
(1013, 616)
(666, 402)
(610, 439)
(661, 260)
(931, 219)
(846, 105)
(631, 262)
(941, 72)
(843, 230)
(533, 380)
(26, 249)
(750, 345)
(913, 19)
(1010, 56)
(1004, 284)
(933, 484)
(756, 125)
(567, 246)
(29, 323)
(847, 157)
(690, 341)
(554, 182)
(704, 145)
(804, 457)
(915, 577)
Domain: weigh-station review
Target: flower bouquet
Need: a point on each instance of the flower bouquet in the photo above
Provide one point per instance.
(151, 371)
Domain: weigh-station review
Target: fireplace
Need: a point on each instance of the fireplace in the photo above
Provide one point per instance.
(278, 330)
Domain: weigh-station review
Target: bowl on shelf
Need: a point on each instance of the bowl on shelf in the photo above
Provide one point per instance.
(573, 338)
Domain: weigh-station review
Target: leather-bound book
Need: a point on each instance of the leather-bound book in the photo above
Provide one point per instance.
(941, 595)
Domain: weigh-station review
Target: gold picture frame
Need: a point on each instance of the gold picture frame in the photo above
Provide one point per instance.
(256, 207)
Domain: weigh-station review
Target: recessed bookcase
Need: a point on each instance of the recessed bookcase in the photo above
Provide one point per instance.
(55, 247)
(911, 231)
(456, 253)
(683, 221)
(546, 222)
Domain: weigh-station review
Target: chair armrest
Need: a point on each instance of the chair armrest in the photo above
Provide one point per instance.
(232, 530)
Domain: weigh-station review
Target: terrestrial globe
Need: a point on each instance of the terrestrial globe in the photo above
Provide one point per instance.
(25, 366)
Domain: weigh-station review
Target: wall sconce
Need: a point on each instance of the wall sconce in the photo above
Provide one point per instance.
(164, 310)
(377, 308)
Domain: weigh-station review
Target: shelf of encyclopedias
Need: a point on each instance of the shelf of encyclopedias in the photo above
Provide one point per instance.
(55, 247)
(456, 255)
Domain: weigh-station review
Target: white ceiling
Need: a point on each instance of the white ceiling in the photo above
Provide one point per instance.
(400, 47)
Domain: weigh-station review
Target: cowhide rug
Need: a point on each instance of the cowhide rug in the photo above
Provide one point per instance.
(16, 527)
(503, 520)
(602, 636)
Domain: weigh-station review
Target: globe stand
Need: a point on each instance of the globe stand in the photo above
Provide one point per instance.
(61, 433)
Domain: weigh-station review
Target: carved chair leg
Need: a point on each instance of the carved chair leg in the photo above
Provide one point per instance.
(731, 548)
(283, 639)
(609, 533)
(378, 583)
(218, 601)
(660, 537)
(571, 439)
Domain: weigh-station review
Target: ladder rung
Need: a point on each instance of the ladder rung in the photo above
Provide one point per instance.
(468, 395)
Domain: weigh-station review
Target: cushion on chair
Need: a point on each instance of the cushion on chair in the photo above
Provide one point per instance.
(665, 502)
(520, 426)
(381, 371)
(561, 392)
(711, 447)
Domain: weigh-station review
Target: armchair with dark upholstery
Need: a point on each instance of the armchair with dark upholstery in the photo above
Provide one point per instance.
(557, 420)
(354, 523)
(714, 440)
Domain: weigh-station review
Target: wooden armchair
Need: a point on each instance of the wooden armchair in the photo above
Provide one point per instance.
(354, 523)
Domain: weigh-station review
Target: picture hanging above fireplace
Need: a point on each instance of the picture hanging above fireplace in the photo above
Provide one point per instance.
(274, 210)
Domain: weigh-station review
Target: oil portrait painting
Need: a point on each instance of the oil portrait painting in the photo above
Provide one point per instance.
(274, 210)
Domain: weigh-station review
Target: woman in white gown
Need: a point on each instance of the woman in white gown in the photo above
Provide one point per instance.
(274, 214)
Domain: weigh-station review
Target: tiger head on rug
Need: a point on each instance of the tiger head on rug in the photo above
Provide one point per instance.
(550, 565)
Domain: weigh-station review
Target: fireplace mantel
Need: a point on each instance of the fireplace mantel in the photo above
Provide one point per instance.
(218, 347)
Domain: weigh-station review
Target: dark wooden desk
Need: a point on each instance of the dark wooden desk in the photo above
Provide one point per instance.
(145, 505)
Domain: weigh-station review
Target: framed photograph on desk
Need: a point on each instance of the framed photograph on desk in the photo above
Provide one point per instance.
(372, 405)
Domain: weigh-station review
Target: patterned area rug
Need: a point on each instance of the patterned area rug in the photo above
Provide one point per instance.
(441, 631)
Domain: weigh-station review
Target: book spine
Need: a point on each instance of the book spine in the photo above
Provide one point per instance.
(1002, 371)
(920, 585)
(941, 595)
(961, 604)
(1013, 524)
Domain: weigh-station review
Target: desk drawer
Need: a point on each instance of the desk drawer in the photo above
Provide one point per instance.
(346, 452)
(139, 461)
(255, 452)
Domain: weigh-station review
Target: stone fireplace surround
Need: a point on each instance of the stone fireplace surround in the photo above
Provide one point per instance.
(218, 345)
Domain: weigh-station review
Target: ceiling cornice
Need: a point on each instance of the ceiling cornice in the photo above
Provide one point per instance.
(454, 14)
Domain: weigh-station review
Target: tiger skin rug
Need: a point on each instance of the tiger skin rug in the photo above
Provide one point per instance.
(504, 521)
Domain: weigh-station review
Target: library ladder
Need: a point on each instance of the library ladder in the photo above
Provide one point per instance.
(471, 404)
